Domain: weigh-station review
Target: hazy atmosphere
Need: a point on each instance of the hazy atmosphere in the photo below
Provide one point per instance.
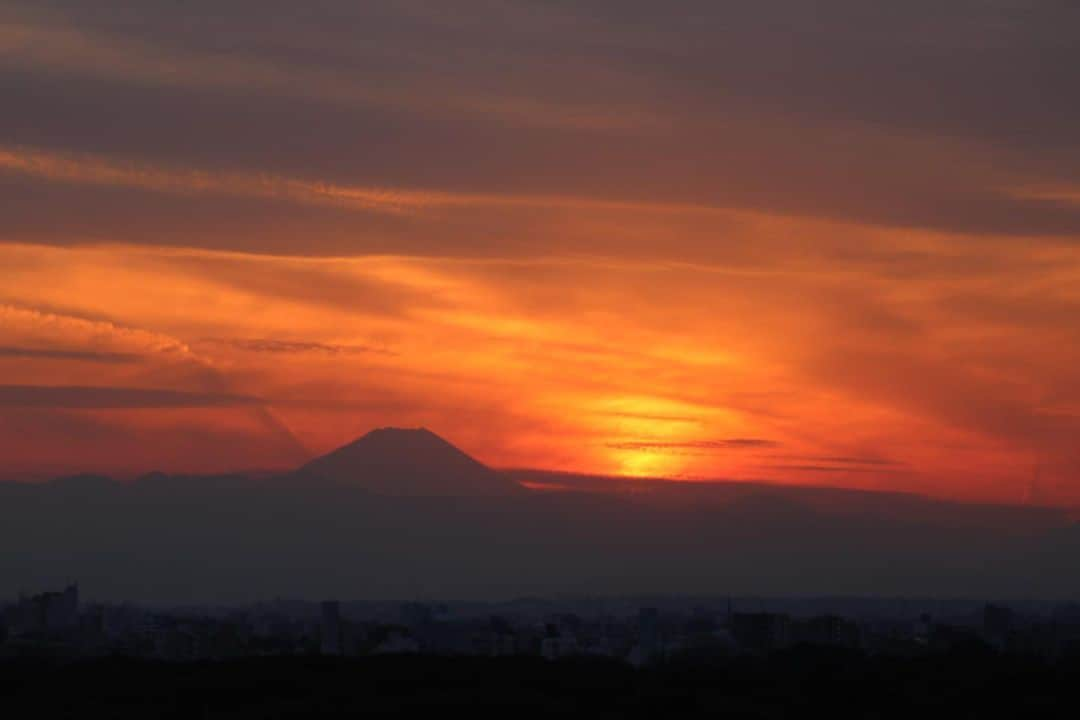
(612, 358)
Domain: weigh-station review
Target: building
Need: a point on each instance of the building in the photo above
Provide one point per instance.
(649, 633)
(760, 632)
(997, 625)
(553, 648)
(416, 615)
(826, 630)
(48, 613)
(330, 641)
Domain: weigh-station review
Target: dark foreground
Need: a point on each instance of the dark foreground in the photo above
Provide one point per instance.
(794, 683)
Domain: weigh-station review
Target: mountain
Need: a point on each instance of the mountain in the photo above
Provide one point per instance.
(84, 482)
(412, 462)
(402, 513)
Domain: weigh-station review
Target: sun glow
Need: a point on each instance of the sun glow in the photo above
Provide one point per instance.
(646, 464)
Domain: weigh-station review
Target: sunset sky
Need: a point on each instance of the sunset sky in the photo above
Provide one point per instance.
(829, 243)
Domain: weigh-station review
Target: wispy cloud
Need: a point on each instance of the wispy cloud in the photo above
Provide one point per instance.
(114, 398)
(846, 460)
(61, 354)
(1063, 195)
(685, 419)
(841, 468)
(99, 335)
(33, 44)
(92, 169)
(700, 445)
(268, 345)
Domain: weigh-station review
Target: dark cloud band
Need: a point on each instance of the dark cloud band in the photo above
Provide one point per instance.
(114, 398)
(57, 354)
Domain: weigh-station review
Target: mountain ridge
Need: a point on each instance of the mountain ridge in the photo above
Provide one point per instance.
(407, 461)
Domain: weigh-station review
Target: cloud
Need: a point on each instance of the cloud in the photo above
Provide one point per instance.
(839, 468)
(683, 419)
(768, 108)
(266, 345)
(703, 445)
(56, 354)
(66, 326)
(100, 171)
(841, 460)
(63, 47)
(46, 442)
(844, 228)
(96, 170)
(114, 398)
(1061, 195)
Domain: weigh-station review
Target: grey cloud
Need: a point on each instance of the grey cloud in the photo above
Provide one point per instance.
(841, 460)
(911, 115)
(111, 398)
(837, 468)
(91, 442)
(60, 354)
(700, 445)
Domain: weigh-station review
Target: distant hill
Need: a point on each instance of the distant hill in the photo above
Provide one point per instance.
(403, 513)
(748, 495)
(408, 462)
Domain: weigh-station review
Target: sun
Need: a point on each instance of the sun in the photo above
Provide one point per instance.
(648, 435)
(646, 463)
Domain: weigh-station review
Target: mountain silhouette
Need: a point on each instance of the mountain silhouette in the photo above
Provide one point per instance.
(411, 462)
(402, 512)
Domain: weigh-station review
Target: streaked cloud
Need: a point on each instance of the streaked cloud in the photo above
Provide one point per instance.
(93, 170)
(61, 354)
(104, 337)
(266, 345)
(112, 398)
(98, 171)
(715, 107)
(838, 468)
(696, 445)
(841, 460)
(33, 41)
(1065, 195)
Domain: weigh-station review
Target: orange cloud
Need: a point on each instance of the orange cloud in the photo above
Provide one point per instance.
(589, 366)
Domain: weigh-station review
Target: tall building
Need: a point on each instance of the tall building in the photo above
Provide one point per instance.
(649, 633)
(830, 630)
(997, 624)
(416, 615)
(761, 631)
(331, 640)
(47, 613)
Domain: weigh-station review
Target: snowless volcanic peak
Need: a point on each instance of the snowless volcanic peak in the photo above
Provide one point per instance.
(397, 461)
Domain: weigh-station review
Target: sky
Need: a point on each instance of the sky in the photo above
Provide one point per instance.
(831, 243)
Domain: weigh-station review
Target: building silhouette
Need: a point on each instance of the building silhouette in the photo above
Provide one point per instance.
(761, 632)
(649, 633)
(47, 613)
(331, 641)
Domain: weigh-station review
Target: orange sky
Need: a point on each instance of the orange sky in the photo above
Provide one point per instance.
(227, 257)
